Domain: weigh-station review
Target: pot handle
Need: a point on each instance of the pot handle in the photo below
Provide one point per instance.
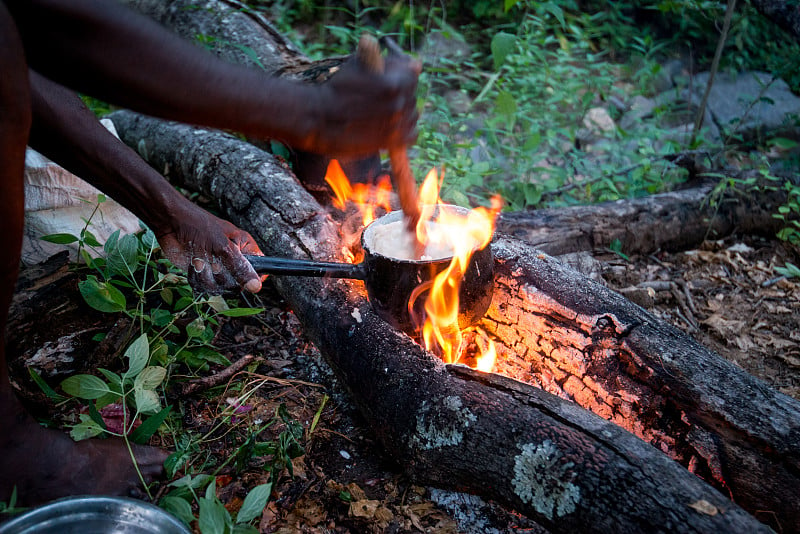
(293, 267)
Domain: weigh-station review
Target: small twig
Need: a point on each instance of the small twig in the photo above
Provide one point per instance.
(690, 325)
(656, 285)
(688, 294)
(329, 431)
(687, 315)
(207, 382)
(773, 281)
(701, 111)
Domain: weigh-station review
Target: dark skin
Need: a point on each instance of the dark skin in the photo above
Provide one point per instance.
(103, 49)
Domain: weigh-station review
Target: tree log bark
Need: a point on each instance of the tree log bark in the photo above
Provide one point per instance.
(673, 221)
(540, 453)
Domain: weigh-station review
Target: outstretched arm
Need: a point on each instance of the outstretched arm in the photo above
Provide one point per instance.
(208, 248)
(109, 51)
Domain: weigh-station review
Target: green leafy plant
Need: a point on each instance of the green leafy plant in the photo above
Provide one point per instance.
(10, 507)
(171, 326)
(211, 516)
(789, 270)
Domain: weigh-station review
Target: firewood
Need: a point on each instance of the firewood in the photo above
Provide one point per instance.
(536, 450)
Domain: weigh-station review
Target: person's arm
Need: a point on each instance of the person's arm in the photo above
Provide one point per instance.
(208, 248)
(111, 52)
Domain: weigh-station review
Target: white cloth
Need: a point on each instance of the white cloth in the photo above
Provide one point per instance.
(58, 202)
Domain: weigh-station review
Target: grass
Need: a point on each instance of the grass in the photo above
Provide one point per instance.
(507, 117)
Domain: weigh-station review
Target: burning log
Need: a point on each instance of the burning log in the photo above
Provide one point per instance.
(536, 449)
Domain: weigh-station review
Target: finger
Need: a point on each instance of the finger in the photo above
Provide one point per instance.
(200, 276)
(397, 53)
(391, 45)
(244, 274)
(245, 242)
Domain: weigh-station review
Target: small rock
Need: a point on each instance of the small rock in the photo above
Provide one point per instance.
(598, 121)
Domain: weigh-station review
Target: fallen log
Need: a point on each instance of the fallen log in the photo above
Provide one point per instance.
(535, 449)
(673, 221)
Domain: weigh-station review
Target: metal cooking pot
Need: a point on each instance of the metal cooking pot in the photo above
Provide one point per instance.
(95, 515)
(391, 282)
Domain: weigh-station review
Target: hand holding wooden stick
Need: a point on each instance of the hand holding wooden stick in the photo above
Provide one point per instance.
(369, 54)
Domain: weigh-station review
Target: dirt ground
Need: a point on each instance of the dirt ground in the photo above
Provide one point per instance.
(725, 293)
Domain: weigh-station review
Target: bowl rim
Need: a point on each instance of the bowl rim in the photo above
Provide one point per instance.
(71, 506)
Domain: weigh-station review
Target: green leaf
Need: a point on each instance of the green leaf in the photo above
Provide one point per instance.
(213, 516)
(508, 4)
(502, 45)
(241, 312)
(123, 258)
(111, 242)
(555, 10)
(176, 460)
(505, 104)
(196, 328)
(254, 503)
(85, 387)
(183, 302)
(150, 377)
(178, 507)
(147, 400)
(533, 142)
(149, 426)
(159, 352)
(211, 490)
(193, 482)
(217, 303)
(96, 417)
(137, 353)
(60, 239)
(160, 317)
(244, 528)
(790, 270)
(44, 386)
(102, 296)
(166, 295)
(85, 429)
(149, 240)
(89, 238)
(211, 356)
(114, 380)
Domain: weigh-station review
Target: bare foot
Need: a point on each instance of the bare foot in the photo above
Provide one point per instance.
(47, 464)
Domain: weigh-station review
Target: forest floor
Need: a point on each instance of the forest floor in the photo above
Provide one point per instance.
(726, 294)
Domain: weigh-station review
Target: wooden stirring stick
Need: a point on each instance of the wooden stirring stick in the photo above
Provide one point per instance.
(369, 54)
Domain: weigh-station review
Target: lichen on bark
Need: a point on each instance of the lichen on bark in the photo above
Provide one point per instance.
(544, 481)
(441, 423)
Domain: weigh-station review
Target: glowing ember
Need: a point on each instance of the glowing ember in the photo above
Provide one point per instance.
(443, 233)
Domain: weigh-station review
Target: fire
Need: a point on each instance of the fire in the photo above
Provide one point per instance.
(440, 331)
(367, 199)
(463, 234)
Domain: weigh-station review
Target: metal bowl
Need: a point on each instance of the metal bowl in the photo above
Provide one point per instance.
(95, 515)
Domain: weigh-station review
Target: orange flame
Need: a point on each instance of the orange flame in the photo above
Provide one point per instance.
(463, 234)
(367, 199)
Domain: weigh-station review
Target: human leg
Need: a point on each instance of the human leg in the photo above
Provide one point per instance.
(43, 464)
